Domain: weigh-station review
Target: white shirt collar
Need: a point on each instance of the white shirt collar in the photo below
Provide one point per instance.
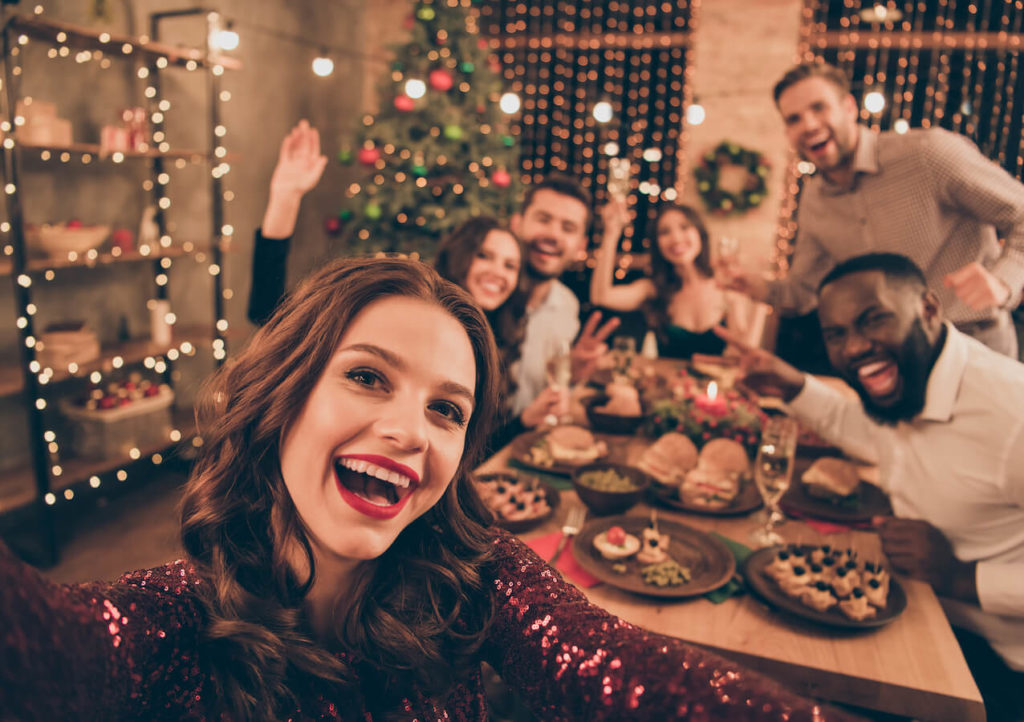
(945, 378)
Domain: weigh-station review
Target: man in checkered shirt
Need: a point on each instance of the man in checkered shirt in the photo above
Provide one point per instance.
(927, 194)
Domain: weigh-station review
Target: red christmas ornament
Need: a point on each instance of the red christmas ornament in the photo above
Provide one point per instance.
(410, 22)
(440, 80)
(501, 178)
(494, 64)
(368, 156)
(404, 103)
(332, 225)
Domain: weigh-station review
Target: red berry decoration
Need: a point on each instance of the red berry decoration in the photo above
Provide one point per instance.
(482, 44)
(440, 80)
(332, 224)
(369, 156)
(501, 178)
(616, 535)
(74, 223)
(404, 103)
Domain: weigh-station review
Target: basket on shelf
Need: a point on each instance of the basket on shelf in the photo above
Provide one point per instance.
(111, 432)
(60, 239)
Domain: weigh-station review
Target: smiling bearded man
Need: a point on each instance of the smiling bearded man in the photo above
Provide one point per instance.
(940, 414)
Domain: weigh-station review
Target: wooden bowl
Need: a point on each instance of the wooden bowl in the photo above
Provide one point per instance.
(603, 502)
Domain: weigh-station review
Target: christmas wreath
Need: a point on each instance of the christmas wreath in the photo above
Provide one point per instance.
(754, 186)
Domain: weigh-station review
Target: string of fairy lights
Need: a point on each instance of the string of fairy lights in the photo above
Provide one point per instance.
(914, 64)
(600, 81)
(80, 46)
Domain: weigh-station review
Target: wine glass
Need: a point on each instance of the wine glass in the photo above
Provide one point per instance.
(558, 370)
(773, 470)
(726, 257)
(623, 352)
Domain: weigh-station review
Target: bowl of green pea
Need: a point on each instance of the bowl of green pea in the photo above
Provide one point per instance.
(608, 488)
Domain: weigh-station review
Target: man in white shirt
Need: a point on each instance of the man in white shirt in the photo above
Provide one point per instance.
(943, 417)
(553, 227)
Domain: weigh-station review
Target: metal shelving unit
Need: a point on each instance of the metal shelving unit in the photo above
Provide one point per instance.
(55, 476)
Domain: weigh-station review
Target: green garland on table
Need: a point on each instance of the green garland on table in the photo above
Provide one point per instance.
(755, 187)
(739, 419)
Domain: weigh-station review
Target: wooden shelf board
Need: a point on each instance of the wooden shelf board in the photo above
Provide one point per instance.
(18, 486)
(97, 150)
(36, 264)
(131, 352)
(93, 39)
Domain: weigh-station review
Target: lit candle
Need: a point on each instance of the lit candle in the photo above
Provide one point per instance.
(710, 402)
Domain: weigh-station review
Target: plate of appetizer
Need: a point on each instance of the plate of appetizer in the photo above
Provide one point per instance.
(558, 450)
(831, 489)
(825, 585)
(519, 502)
(652, 556)
(714, 480)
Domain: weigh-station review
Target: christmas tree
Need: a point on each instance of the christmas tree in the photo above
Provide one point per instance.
(441, 149)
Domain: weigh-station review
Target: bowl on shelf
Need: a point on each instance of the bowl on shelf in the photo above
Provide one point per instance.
(609, 423)
(608, 488)
(60, 239)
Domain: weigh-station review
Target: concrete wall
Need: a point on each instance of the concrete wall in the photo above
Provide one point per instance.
(741, 49)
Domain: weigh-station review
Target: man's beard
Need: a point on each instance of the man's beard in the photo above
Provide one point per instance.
(915, 360)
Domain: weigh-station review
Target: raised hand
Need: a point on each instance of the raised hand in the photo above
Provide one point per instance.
(590, 346)
(299, 162)
(977, 287)
(614, 219)
(919, 550)
(762, 371)
(299, 167)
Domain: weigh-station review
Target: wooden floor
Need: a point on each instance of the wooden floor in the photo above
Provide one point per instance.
(138, 530)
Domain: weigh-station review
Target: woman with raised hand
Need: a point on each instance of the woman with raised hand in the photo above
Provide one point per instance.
(682, 300)
(339, 563)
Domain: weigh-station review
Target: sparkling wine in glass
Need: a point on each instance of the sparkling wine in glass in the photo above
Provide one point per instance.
(623, 353)
(558, 369)
(773, 470)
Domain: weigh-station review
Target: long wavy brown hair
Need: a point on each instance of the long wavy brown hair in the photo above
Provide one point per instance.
(508, 321)
(419, 613)
(667, 280)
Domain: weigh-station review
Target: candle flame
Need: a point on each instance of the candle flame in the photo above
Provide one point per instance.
(712, 390)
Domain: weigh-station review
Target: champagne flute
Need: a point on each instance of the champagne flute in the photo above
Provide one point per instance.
(558, 370)
(623, 352)
(726, 257)
(773, 470)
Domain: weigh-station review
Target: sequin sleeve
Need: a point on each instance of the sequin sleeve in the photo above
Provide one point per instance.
(571, 660)
(97, 651)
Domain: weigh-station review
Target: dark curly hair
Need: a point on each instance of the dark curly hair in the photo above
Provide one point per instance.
(666, 280)
(420, 611)
(508, 321)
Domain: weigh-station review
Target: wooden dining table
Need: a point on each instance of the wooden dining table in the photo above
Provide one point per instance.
(912, 666)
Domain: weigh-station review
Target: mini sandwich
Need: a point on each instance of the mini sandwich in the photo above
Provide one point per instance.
(724, 455)
(832, 479)
(574, 445)
(709, 488)
(669, 458)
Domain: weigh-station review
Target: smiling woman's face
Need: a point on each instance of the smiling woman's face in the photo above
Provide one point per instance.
(380, 436)
(494, 272)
